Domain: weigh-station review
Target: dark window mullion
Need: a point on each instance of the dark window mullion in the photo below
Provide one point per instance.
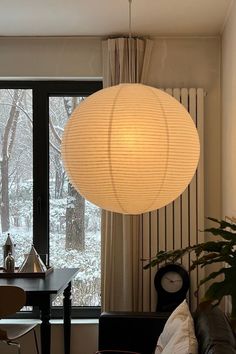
(41, 171)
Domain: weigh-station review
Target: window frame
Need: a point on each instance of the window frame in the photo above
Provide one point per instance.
(41, 92)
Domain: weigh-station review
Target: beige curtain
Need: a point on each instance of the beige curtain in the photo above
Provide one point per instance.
(124, 60)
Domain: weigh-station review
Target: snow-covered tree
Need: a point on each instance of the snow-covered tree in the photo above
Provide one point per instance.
(60, 111)
(14, 147)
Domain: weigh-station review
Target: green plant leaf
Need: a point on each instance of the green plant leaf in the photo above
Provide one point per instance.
(203, 261)
(169, 256)
(223, 224)
(212, 276)
(226, 287)
(227, 235)
(213, 246)
(217, 291)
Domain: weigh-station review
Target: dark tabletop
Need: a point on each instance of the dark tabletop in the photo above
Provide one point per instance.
(53, 283)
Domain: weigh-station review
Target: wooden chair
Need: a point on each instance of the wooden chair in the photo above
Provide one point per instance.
(12, 299)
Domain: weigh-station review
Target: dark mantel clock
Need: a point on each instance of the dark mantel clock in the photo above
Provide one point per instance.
(172, 284)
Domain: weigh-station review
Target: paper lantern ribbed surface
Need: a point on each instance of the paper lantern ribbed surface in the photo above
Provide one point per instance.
(130, 148)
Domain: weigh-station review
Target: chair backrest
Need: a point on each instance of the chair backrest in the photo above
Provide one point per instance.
(12, 299)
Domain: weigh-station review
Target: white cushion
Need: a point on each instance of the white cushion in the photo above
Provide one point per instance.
(178, 336)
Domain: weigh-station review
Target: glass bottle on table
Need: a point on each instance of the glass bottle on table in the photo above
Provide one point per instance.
(10, 263)
(8, 247)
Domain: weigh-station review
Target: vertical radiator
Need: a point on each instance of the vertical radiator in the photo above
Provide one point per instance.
(179, 224)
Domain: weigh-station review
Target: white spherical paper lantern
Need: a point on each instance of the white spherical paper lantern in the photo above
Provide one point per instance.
(130, 148)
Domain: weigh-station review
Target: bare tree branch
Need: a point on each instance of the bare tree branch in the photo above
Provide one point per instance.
(20, 108)
(55, 148)
(53, 130)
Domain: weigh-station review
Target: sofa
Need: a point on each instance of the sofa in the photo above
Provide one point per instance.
(138, 332)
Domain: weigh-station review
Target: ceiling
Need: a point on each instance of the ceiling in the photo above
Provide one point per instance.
(110, 17)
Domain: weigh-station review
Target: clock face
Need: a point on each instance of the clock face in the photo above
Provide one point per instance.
(171, 282)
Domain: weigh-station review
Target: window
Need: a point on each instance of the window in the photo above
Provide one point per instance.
(16, 169)
(38, 203)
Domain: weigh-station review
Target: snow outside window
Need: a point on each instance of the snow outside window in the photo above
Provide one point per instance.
(74, 222)
(16, 170)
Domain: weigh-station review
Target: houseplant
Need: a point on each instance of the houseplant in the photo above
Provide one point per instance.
(222, 251)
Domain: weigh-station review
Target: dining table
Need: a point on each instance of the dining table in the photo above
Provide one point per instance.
(40, 292)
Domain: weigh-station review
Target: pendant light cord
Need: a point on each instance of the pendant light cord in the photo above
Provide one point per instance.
(130, 3)
(129, 43)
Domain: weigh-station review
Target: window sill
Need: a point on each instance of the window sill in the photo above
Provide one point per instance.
(74, 321)
(88, 321)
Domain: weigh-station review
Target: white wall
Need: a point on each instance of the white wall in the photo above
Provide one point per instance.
(195, 62)
(176, 62)
(229, 116)
(50, 57)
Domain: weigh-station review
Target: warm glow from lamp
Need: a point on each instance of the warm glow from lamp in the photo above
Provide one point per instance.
(130, 148)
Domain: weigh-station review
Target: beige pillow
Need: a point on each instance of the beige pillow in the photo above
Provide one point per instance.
(178, 336)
